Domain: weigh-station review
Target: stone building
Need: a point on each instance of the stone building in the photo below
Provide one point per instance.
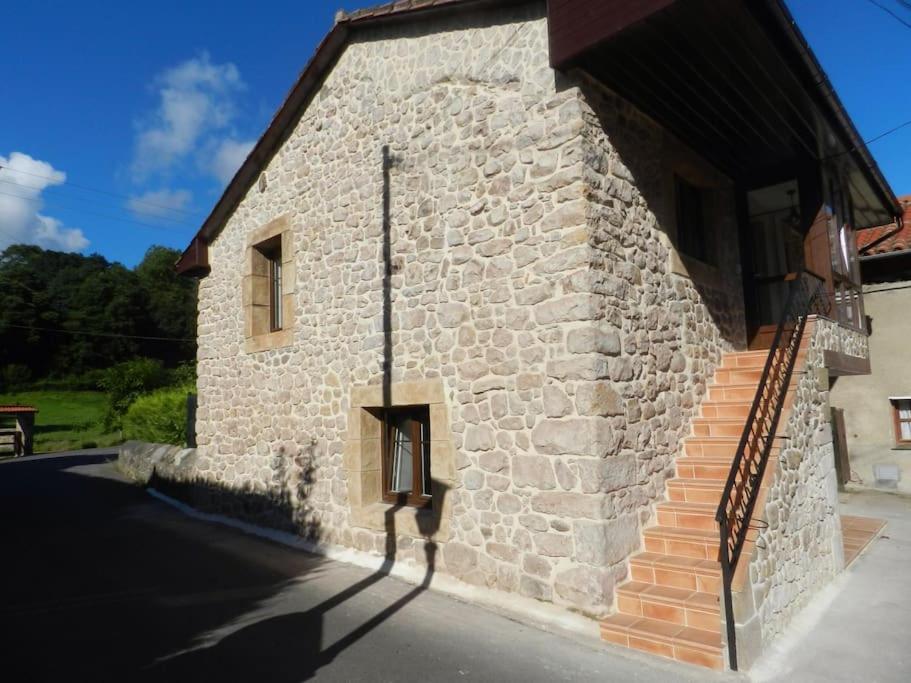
(495, 290)
(877, 406)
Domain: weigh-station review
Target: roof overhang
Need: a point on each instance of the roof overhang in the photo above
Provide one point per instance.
(735, 80)
(775, 106)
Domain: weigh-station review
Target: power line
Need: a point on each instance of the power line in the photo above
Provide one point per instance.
(91, 200)
(101, 215)
(98, 334)
(100, 191)
(889, 132)
(870, 141)
(888, 11)
(57, 200)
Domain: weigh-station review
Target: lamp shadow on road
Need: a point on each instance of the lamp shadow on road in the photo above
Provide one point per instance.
(290, 647)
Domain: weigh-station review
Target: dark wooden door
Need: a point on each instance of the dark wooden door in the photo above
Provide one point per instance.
(840, 441)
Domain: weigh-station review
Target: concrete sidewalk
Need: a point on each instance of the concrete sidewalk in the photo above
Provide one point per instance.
(859, 627)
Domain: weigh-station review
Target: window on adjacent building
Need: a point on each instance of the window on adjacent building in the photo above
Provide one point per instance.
(406, 456)
(693, 238)
(902, 411)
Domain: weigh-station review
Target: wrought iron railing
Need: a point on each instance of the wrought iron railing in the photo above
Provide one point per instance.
(806, 296)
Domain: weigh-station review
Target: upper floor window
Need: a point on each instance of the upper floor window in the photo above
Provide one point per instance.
(902, 413)
(268, 286)
(693, 238)
(271, 253)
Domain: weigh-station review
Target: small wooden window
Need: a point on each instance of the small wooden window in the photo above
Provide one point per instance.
(406, 456)
(693, 237)
(272, 250)
(901, 409)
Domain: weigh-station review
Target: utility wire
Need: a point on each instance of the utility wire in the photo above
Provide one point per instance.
(870, 141)
(107, 192)
(97, 334)
(101, 215)
(888, 11)
(59, 202)
(89, 200)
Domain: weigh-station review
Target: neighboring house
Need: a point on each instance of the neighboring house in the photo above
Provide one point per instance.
(495, 290)
(877, 407)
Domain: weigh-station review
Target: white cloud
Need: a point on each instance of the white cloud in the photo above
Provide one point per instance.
(21, 220)
(196, 107)
(160, 203)
(228, 157)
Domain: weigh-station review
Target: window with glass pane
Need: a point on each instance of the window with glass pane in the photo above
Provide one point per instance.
(271, 265)
(693, 237)
(902, 408)
(406, 456)
(275, 290)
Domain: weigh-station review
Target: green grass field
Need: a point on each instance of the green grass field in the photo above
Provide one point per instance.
(66, 420)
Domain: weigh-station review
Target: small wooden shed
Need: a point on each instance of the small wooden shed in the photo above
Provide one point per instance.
(21, 433)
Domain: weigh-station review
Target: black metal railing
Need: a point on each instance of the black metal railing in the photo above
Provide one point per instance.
(806, 296)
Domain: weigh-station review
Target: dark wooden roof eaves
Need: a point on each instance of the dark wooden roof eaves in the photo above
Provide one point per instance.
(816, 81)
(296, 101)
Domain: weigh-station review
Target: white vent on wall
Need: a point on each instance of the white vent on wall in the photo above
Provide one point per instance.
(887, 475)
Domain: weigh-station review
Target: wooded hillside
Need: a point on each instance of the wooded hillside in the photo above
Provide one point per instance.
(64, 314)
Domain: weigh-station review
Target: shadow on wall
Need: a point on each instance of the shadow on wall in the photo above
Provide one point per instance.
(289, 647)
(283, 507)
(650, 159)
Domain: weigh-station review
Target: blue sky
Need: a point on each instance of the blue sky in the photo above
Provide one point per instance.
(153, 105)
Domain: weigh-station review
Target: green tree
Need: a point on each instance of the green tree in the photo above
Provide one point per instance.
(171, 302)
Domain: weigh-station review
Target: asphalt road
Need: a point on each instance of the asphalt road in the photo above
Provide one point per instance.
(101, 582)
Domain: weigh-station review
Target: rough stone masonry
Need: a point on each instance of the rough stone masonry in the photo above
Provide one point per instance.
(537, 305)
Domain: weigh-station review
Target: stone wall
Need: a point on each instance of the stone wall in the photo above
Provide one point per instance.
(800, 551)
(663, 322)
(532, 279)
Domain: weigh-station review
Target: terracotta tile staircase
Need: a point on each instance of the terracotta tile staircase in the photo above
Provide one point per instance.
(671, 604)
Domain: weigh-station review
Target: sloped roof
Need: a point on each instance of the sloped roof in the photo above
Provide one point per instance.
(887, 238)
(195, 258)
(395, 7)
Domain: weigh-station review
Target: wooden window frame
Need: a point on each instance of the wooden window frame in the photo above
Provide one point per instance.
(420, 435)
(689, 235)
(271, 250)
(897, 420)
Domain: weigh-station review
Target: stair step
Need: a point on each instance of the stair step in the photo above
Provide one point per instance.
(719, 426)
(687, 515)
(695, 490)
(676, 572)
(726, 410)
(717, 446)
(699, 543)
(731, 392)
(683, 643)
(704, 467)
(738, 376)
(753, 359)
(675, 605)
